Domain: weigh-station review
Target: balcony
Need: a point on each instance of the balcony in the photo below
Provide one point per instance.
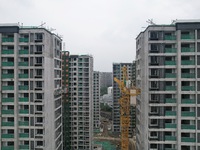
(7, 76)
(170, 88)
(187, 49)
(170, 113)
(23, 87)
(23, 51)
(23, 135)
(7, 51)
(170, 50)
(169, 37)
(170, 75)
(188, 75)
(8, 39)
(24, 111)
(170, 100)
(187, 62)
(5, 136)
(188, 139)
(7, 64)
(187, 37)
(187, 114)
(23, 40)
(188, 127)
(170, 138)
(7, 112)
(170, 125)
(188, 88)
(7, 148)
(23, 147)
(188, 101)
(7, 87)
(23, 99)
(23, 75)
(172, 62)
(23, 64)
(7, 124)
(23, 123)
(7, 100)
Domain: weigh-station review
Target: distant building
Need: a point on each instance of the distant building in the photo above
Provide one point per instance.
(30, 70)
(105, 79)
(168, 73)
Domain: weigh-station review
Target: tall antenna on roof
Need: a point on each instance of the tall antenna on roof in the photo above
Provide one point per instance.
(42, 24)
(150, 21)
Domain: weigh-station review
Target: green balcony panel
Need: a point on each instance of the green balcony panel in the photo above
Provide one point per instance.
(7, 123)
(24, 135)
(170, 100)
(187, 37)
(7, 136)
(188, 101)
(23, 147)
(23, 51)
(7, 64)
(187, 49)
(7, 87)
(24, 111)
(23, 87)
(7, 100)
(188, 139)
(170, 125)
(23, 40)
(24, 99)
(170, 75)
(188, 75)
(23, 123)
(188, 88)
(170, 62)
(188, 62)
(170, 113)
(10, 112)
(170, 88)
(187, 114)
(170, 50)
(7, 76)
(7, 148)
(170, 138)
(23, 75)
(6, 39)
(169, 37)
(23, 64)
(188, 127)
(7, 51)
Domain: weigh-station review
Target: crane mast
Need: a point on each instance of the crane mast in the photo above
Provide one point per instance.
(124, 102)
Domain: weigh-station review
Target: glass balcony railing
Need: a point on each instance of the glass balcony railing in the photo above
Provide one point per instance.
(23, 51)
(7, 148)
(9, 112)
(8, 39)
(24, 111)
(188, 127)
(187, 62)
(7, 100)
(23, 135)
(188, 139)
(170, 88)
(187, 114)
(7, 87)
(187, 49)
(7, 136)
(170, 75)
(23, 123)
(23, 87)
(188, 88)
(170, 125)
(170, 138)
(23, 64)
(7, 123)
(23, 147)
(170, 50)
(7, 64)
(170, 113)
(7, 51)
(188, 101)
(170, 62)
(169, 37)
(170, 100)
(187, 36)
(23, 40)
(7, 76)
(24, 99)
(188, 75)
(23, 75)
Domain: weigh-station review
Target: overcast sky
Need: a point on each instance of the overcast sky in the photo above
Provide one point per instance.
(105, 29)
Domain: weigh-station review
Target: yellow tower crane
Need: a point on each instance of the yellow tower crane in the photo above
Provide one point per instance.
(127, 91)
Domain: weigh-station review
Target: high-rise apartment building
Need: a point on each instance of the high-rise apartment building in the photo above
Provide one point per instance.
(117, 72)
(30, 90)
(168, 74)
(105, 79)
(96, 100)
(81, 101)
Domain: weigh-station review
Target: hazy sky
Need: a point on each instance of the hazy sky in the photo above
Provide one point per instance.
(105, 29)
